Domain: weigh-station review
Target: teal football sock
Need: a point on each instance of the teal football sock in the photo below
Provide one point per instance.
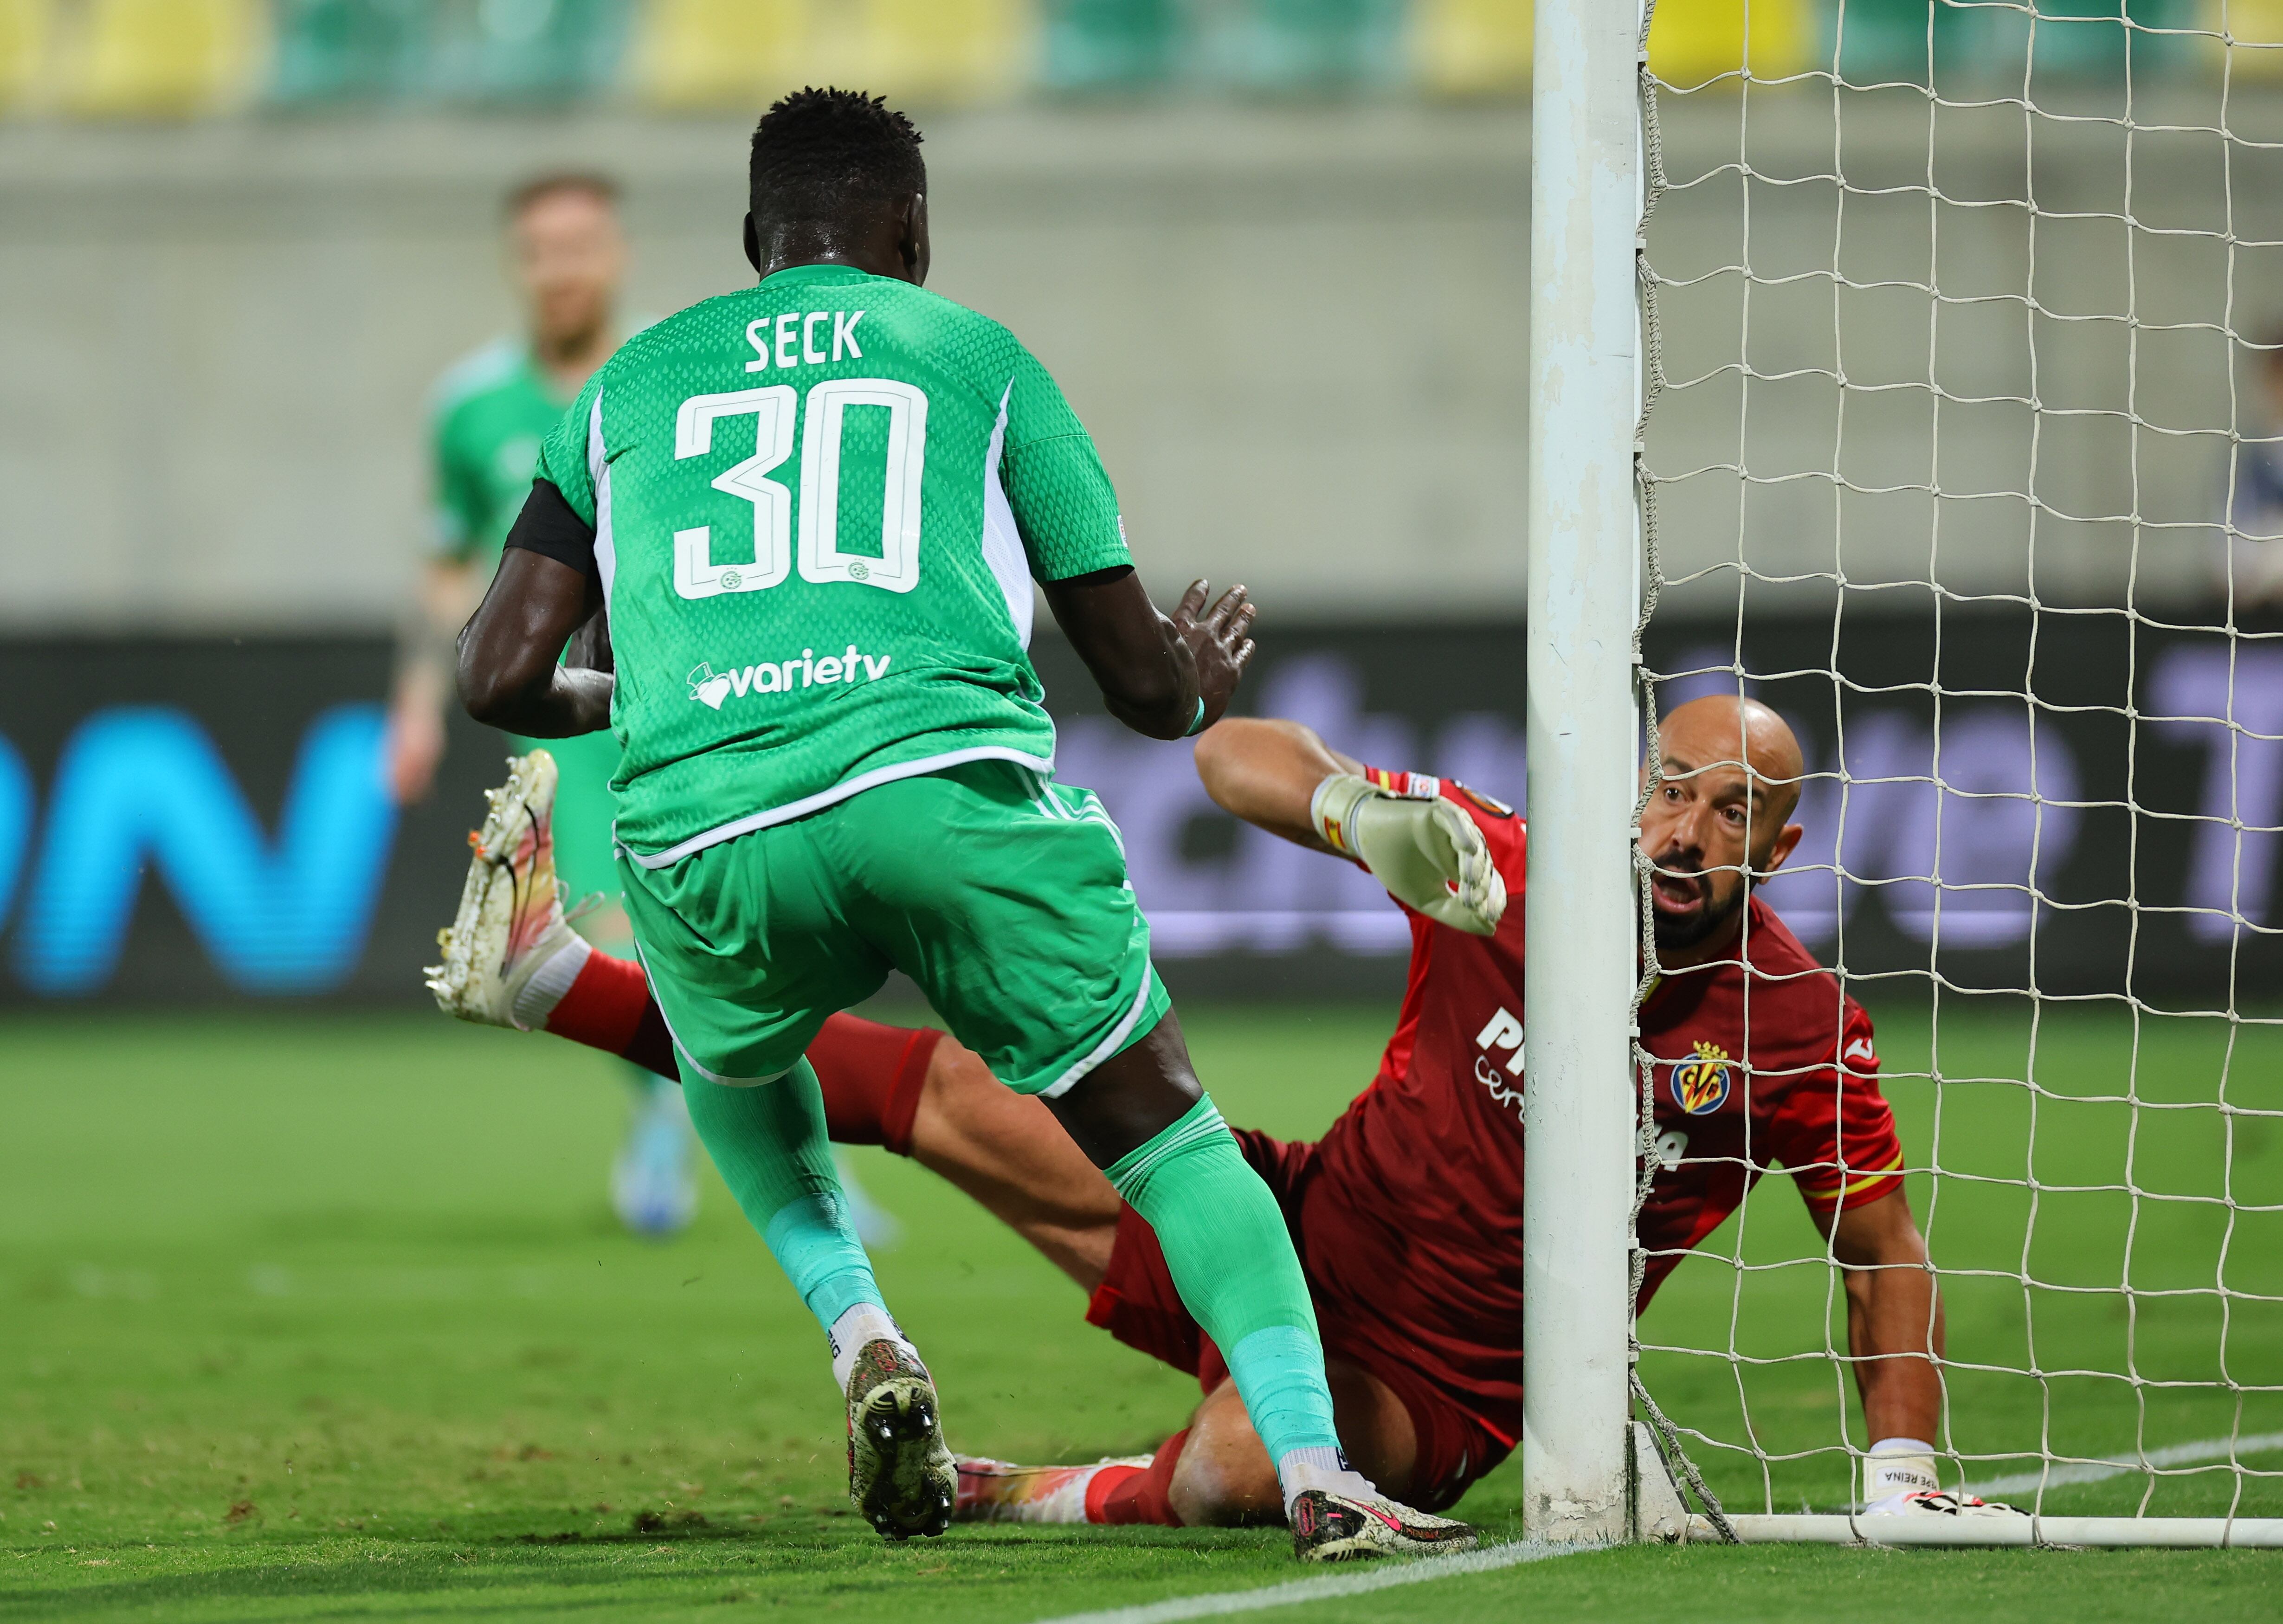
(770, 1144)
(1232, 1260)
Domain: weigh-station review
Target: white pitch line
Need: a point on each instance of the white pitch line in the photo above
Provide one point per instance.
(2119, 1465)
(1331, 1587)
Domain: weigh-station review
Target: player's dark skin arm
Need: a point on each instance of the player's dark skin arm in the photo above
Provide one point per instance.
(1153, 669)
(508, 678)
(1894, 1315)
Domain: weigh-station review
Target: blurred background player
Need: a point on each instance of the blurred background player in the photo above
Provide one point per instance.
(567, 255)
(2253, 561)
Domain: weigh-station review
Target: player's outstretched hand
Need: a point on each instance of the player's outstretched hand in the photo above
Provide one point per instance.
(1427, 852)
(1220, 639)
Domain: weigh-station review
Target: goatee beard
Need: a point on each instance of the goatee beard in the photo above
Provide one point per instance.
(1672, 932)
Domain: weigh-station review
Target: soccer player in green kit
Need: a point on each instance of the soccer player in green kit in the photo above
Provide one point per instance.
(489, 415)
(812, 513)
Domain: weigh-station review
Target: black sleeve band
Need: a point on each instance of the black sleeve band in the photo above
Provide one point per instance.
(548, 526)
(1096, 578)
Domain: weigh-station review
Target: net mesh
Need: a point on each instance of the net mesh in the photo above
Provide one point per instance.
(1963, 374)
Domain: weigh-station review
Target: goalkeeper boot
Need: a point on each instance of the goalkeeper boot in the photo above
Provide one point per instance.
(509, 943)
(1942, 1503)
(899, 1474)
(1329, 1527)
(1000, 1491)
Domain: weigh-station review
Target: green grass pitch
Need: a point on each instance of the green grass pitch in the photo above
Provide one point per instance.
(325, 1317)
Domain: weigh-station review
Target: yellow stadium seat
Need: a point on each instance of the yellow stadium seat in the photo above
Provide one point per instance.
(928, 50)
(1471, 47)
(2256, 30)
(24, 33)
(161, 57)
(1692, 40)
(718, 53)
(714, 53)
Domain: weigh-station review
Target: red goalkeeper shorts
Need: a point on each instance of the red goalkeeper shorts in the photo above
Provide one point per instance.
(1137, 1304)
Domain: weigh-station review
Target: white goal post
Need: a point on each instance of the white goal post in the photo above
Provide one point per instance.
(1919, 371)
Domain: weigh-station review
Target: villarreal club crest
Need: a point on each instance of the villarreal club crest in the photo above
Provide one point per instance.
(1702, 1082)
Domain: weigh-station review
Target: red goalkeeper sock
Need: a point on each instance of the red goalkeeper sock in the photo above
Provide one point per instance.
(1138, 1494)
(608, 1006)
(872, 1075)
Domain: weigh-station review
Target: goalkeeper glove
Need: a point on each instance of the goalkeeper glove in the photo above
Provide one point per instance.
(1428, 853)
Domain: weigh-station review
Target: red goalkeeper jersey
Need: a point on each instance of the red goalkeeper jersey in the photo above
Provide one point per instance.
(1413, 1210)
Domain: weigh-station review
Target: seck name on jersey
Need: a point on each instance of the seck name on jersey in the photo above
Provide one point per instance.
(799, 339)
(709, 688)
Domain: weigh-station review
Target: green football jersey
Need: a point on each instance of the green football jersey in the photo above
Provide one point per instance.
(818, 508)
(489, 417)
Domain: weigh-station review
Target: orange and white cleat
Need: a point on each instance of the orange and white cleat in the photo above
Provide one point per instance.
(509, 953)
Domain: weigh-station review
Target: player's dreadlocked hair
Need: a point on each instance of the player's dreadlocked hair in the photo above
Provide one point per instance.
(821, 155)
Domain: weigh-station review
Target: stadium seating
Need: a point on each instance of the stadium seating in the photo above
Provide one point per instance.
(716, 53)
(173, 58)
(510, 50)
(1691, 44)
(161, 59)
(930, 52)
(1471, 47)
(1108, 45)
(1303, 46)
(2256, 26)
(347, 50)
(1888, 41)
(737, 53)
(25, 26)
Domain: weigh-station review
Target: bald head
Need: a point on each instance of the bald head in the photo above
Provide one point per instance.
(1727, 729)
(1721, 814)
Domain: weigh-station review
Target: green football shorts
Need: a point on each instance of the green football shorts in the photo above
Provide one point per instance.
(1001, 893)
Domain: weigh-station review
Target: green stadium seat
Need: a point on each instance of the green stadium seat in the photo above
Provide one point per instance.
(162, 58)
(346, 50)
(692, 54)
(1088, 46)
(27, 29)
(524, 50)
(1305, 46)
(1471, 47)
(1885, 42)
(2083, 38)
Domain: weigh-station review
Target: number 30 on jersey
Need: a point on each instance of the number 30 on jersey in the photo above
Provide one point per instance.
(895, 567)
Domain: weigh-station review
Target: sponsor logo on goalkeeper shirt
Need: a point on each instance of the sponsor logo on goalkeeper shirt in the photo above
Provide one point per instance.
(709, 688)
(1499, 1067)
(1702, 1082)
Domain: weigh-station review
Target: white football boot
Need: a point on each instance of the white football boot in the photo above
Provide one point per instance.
(510, 955)
(1334, 1528)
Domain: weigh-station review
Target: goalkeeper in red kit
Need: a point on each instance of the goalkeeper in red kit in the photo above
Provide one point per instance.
(1408, 1213)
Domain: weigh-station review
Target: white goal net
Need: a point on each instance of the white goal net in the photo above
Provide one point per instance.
(1963, 450)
